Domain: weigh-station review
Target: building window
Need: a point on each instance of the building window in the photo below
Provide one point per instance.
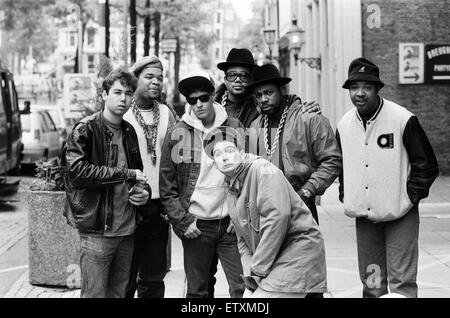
(91, 36)
(91, 63)
(218, 17)
(72, 38)
(217, 53)
(218, 34)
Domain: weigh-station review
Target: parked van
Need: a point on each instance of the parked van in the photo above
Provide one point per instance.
(57, 115)
(10, 131)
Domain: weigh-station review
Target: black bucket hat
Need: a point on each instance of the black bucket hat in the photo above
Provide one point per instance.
(361, 69)
(238, 57)
(267, 74)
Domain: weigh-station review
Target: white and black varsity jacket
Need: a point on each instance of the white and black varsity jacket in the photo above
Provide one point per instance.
(388, 164)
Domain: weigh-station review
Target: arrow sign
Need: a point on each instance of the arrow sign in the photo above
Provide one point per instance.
(411, 63)
(416, 77)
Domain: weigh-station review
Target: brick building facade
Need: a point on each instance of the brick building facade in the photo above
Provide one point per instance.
(338, 31)
(419, 21)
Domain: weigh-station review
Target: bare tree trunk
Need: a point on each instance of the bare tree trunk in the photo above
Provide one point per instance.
(176, 96)
(157, 31)
(107, 32)
(124, 44)
(133, 30)
(147, 24)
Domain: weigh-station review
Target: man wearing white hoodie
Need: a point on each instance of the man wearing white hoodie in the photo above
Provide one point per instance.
(193, 191)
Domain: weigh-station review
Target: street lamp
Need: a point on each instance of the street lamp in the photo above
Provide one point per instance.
(296, 38)
(77, 10)
(269, 38)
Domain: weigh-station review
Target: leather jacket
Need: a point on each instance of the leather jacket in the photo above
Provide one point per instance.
(90, 176)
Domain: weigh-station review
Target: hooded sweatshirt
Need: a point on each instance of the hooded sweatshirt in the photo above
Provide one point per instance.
(208, 201)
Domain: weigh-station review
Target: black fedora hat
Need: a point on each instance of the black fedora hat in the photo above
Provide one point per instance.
(361, 69)
(267, 74)
(238, 57)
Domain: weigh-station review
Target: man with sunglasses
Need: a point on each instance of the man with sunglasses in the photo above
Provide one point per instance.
(233, 94)
(193, 191)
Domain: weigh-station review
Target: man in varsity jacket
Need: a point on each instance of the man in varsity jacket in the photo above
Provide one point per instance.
(388, 167)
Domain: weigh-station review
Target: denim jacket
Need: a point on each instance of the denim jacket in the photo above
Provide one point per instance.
(179, 172)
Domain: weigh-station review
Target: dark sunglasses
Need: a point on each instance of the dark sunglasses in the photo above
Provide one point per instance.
(193, 100)
(232, 76)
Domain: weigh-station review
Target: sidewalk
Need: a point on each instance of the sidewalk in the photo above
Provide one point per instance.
(340, 244)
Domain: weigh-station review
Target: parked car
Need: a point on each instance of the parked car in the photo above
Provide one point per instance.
(10, 131)
(40, 137)
(57, 114)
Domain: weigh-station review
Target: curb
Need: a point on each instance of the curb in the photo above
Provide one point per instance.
(14, 290)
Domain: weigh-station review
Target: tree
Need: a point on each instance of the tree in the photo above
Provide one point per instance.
(27, 28)
(250, 36)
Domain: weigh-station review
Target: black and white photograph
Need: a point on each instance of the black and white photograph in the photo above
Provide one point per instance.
(236, 151)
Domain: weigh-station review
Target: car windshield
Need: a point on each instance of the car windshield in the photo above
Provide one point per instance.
(55, 116)
(25, 120)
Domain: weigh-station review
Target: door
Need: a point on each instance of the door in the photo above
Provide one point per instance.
(3, 135)
(52, 135)
(16, 130)
(8, 115)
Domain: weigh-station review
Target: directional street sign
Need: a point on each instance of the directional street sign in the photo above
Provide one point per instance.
(437, 63)
(411, 63)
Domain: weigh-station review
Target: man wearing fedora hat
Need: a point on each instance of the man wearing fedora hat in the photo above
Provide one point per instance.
(151, 118)
(193, 191)
(234, 96)
(302, 145)
(388, 167)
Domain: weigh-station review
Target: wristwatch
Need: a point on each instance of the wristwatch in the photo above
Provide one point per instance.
(306, 193)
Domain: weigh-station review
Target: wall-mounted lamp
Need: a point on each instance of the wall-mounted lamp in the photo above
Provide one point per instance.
(269, 38)
(296, 38)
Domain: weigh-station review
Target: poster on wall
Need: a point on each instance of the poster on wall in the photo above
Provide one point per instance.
(79, 92)
(411, 63)
(437, 63)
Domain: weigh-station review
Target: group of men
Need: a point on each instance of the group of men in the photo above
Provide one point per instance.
(135, 167)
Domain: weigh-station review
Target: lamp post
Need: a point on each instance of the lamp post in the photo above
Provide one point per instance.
(269, 38)
(77, 10)
(169, 46)
(296, 38)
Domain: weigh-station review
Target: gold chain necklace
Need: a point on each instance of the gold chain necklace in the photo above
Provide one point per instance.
(271, 151)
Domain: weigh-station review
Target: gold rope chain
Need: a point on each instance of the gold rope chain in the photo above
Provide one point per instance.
(277, 136)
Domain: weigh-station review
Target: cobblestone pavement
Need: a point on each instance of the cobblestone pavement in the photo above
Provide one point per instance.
(13, 227)
(14, 216)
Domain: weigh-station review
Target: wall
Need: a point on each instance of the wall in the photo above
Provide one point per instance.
(333, 33)
(412, 21)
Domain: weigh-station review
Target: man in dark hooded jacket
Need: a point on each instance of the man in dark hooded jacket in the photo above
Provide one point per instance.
(302, 145)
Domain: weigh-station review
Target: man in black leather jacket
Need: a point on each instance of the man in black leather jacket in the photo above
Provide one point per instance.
(104, 182)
